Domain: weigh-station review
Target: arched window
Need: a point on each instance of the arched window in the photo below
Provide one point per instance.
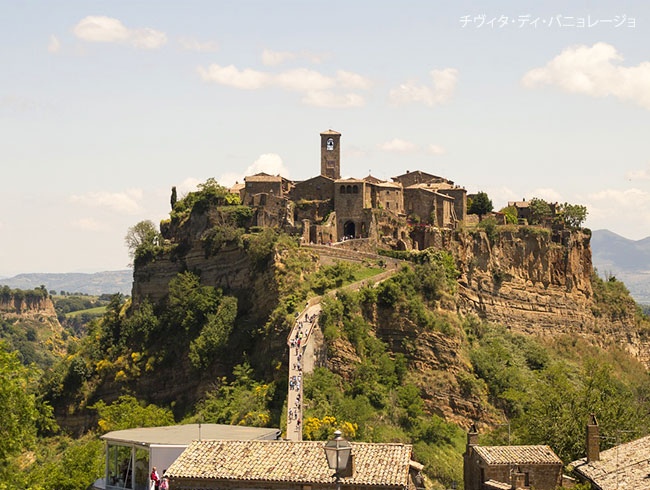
(342, 189)
(349, 189)
(355, 190)
(330, 144)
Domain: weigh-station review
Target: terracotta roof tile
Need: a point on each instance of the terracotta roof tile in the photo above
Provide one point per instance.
(286, 461)
(627, 467)
(517, 454)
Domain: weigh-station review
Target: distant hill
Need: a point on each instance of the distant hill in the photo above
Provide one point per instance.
(628, 260)
(98, 283)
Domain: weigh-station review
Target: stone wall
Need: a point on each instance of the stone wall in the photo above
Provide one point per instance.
(460, 201)
(319, 188)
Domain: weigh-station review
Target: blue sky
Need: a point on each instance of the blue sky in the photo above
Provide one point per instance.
(105, 105)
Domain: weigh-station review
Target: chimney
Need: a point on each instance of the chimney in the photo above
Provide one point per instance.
(593, 440)
(517, 479)
(472, 436)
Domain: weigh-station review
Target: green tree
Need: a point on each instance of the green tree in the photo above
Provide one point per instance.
(214, 334)
(141, 236)
(539, 209)
(173, 198)
(511, 214)
(244, 401)
(21, 413)
(127, 412)
(480, 205)
(573, 215)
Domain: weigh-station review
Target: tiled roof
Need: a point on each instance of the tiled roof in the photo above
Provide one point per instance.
(262, 177)
(391, 185)
(629, 469)
(517, 454)
(518, 204)
(372, 178)
(349, 179)
(329, 131)
(286, 461)
(432, 190)
(418, 172)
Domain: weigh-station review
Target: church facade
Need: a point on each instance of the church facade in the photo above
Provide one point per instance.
(327, 208)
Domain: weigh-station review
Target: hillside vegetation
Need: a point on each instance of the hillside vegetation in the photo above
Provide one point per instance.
(403, 363)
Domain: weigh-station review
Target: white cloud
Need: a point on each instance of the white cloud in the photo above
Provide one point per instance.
(398, 145)
(625, 211)
(550, 195)
(231, 76)
(303, 80)
(274, 58)
(192, 44)
(444, 86)
(352, 81)
(188, 185)
(54, 46)
(318, 89)
(640, 174)
(270, 163)
(119, 202)
(594, 71)
(88, 224)
(99, 28)
(326, 98)
(436, 149)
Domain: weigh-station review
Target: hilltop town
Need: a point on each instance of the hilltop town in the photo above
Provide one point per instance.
(326, 209)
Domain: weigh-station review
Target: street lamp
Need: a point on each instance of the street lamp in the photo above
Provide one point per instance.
(338, 453)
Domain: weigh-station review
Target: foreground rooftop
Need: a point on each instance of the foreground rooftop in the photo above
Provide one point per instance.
(286, 461)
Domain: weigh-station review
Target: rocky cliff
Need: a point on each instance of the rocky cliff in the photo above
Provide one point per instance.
(22, 305)
(538, 282)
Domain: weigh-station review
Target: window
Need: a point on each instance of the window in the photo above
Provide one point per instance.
(348, 190)
(355, 190)
(342, 189)
(387, 205)
(527, 479)
(330, 144)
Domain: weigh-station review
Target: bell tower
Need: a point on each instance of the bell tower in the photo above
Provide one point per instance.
(330, 154)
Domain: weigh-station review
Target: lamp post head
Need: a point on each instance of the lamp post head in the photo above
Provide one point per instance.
(337, 452)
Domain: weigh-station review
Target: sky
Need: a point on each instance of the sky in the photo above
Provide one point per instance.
(105, 105)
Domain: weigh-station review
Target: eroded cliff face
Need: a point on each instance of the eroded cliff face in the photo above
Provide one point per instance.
(537, 282)
(20, 306)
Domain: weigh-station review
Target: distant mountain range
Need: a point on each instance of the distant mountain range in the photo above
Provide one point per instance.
(109, 282)
(628, 260)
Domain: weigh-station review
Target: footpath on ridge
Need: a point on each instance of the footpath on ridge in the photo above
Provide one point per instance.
(302, 330)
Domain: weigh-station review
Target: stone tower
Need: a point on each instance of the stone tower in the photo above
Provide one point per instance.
(330, 154)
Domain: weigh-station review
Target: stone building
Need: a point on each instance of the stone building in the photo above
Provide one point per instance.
(510, 466)
(331, 209)
(626, 466)
(267, 184)
(289, 465)
(429, 206)
(330, 154)
(319, 188)
(352, 205)
(419, 177)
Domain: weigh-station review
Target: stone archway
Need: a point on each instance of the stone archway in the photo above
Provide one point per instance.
(349, 229)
